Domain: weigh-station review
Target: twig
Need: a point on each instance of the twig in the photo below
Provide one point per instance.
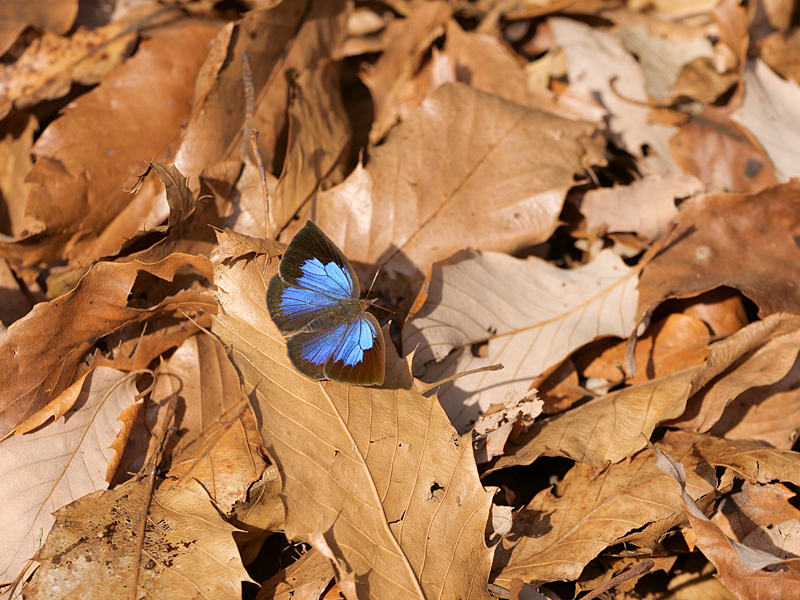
(427, 387)
(642, 567)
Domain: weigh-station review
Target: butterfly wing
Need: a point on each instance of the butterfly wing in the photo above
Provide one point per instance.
(351, 352)
(314, 277)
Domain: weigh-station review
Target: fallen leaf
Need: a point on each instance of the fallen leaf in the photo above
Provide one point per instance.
(44, 470)
(260, 515)
(531, 314)
(426, 538)
(436, 186)
(741, 241)
(187, 550)
(50, 15)
(42, 350)
(305, 579)
(560, 531)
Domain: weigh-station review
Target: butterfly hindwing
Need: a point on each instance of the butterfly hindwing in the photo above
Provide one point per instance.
(351, 352)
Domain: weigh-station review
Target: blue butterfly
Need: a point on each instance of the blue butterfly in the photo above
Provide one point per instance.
(315, 301)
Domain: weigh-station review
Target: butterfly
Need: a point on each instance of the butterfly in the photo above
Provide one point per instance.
(315, 302)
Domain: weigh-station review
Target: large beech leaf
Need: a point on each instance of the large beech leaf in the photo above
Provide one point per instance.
(187, 550)
(614, 426)
(57, 464)
(532, 314)
(41, 351)
(465, 169)
(375, 478)
(558, 533)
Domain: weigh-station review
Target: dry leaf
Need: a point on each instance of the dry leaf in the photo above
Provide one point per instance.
(531, 314)
(305, 579)
(50, 15)
(742, 241)
(43, 350)
(359, 479)
(44, 470)
(560, 531)
(187, 551)
(260, 515)
(437, 186)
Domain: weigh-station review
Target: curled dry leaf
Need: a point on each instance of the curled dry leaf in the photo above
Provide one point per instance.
(742, 241)
(49, 66)
(319, 133)
(218, 443)
(373, 477)
(15, 153)
(594, 432)
(43, 350)
(739, 567)
(390, 81)
(557, 534)
(187, 551)
(531, 314)
(75, 186)
(44, 470)
(50, 15)
(466, 169)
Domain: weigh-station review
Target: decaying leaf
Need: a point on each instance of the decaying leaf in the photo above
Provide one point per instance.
(42, 471)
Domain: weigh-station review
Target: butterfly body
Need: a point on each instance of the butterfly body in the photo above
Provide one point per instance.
(314, 300)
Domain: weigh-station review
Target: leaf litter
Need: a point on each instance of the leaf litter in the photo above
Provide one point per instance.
(599, 196)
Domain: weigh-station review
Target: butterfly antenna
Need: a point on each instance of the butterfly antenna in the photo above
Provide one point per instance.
(372, 302)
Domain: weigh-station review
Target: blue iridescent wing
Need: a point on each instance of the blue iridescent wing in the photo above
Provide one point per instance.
(351, 352)
(314, 277)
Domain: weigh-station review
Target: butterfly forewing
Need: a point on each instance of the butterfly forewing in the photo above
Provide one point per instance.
(314, 300)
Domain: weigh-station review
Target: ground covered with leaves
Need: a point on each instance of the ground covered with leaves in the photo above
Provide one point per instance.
(596, 195)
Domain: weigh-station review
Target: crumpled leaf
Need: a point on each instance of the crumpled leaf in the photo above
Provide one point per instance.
(739, 567)
(613, 427)
(48, 67)
(437, 186)
(532, 314)
(305, 579)
(44, 470)
(188, 549)
(560, 531)
(42, 350)
(360, 481)
(51, 15)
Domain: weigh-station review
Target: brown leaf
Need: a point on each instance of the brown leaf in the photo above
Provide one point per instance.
(50, 15)
(559, 532)
(348, 455)
(15, 154)
(42, 350)
(722, 153)
(260, 515)
(390, 80)
(48, 67)
(44, 470)
(742, 241)
(437, 186)
(305, 579)
(75, 187)
(187, 551)
(319, 132)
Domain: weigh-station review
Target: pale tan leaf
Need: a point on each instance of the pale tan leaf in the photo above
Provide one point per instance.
(558, 533)
(769, 112)
(532, 314)
(752, 461)
(305, 579)
(466, 169)
(187, 552)
(50, 15)
(15, 153)
(594, 59)
(260, 515)
(376, 478)
(645, 207)
(44, 470)
(319, 132)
